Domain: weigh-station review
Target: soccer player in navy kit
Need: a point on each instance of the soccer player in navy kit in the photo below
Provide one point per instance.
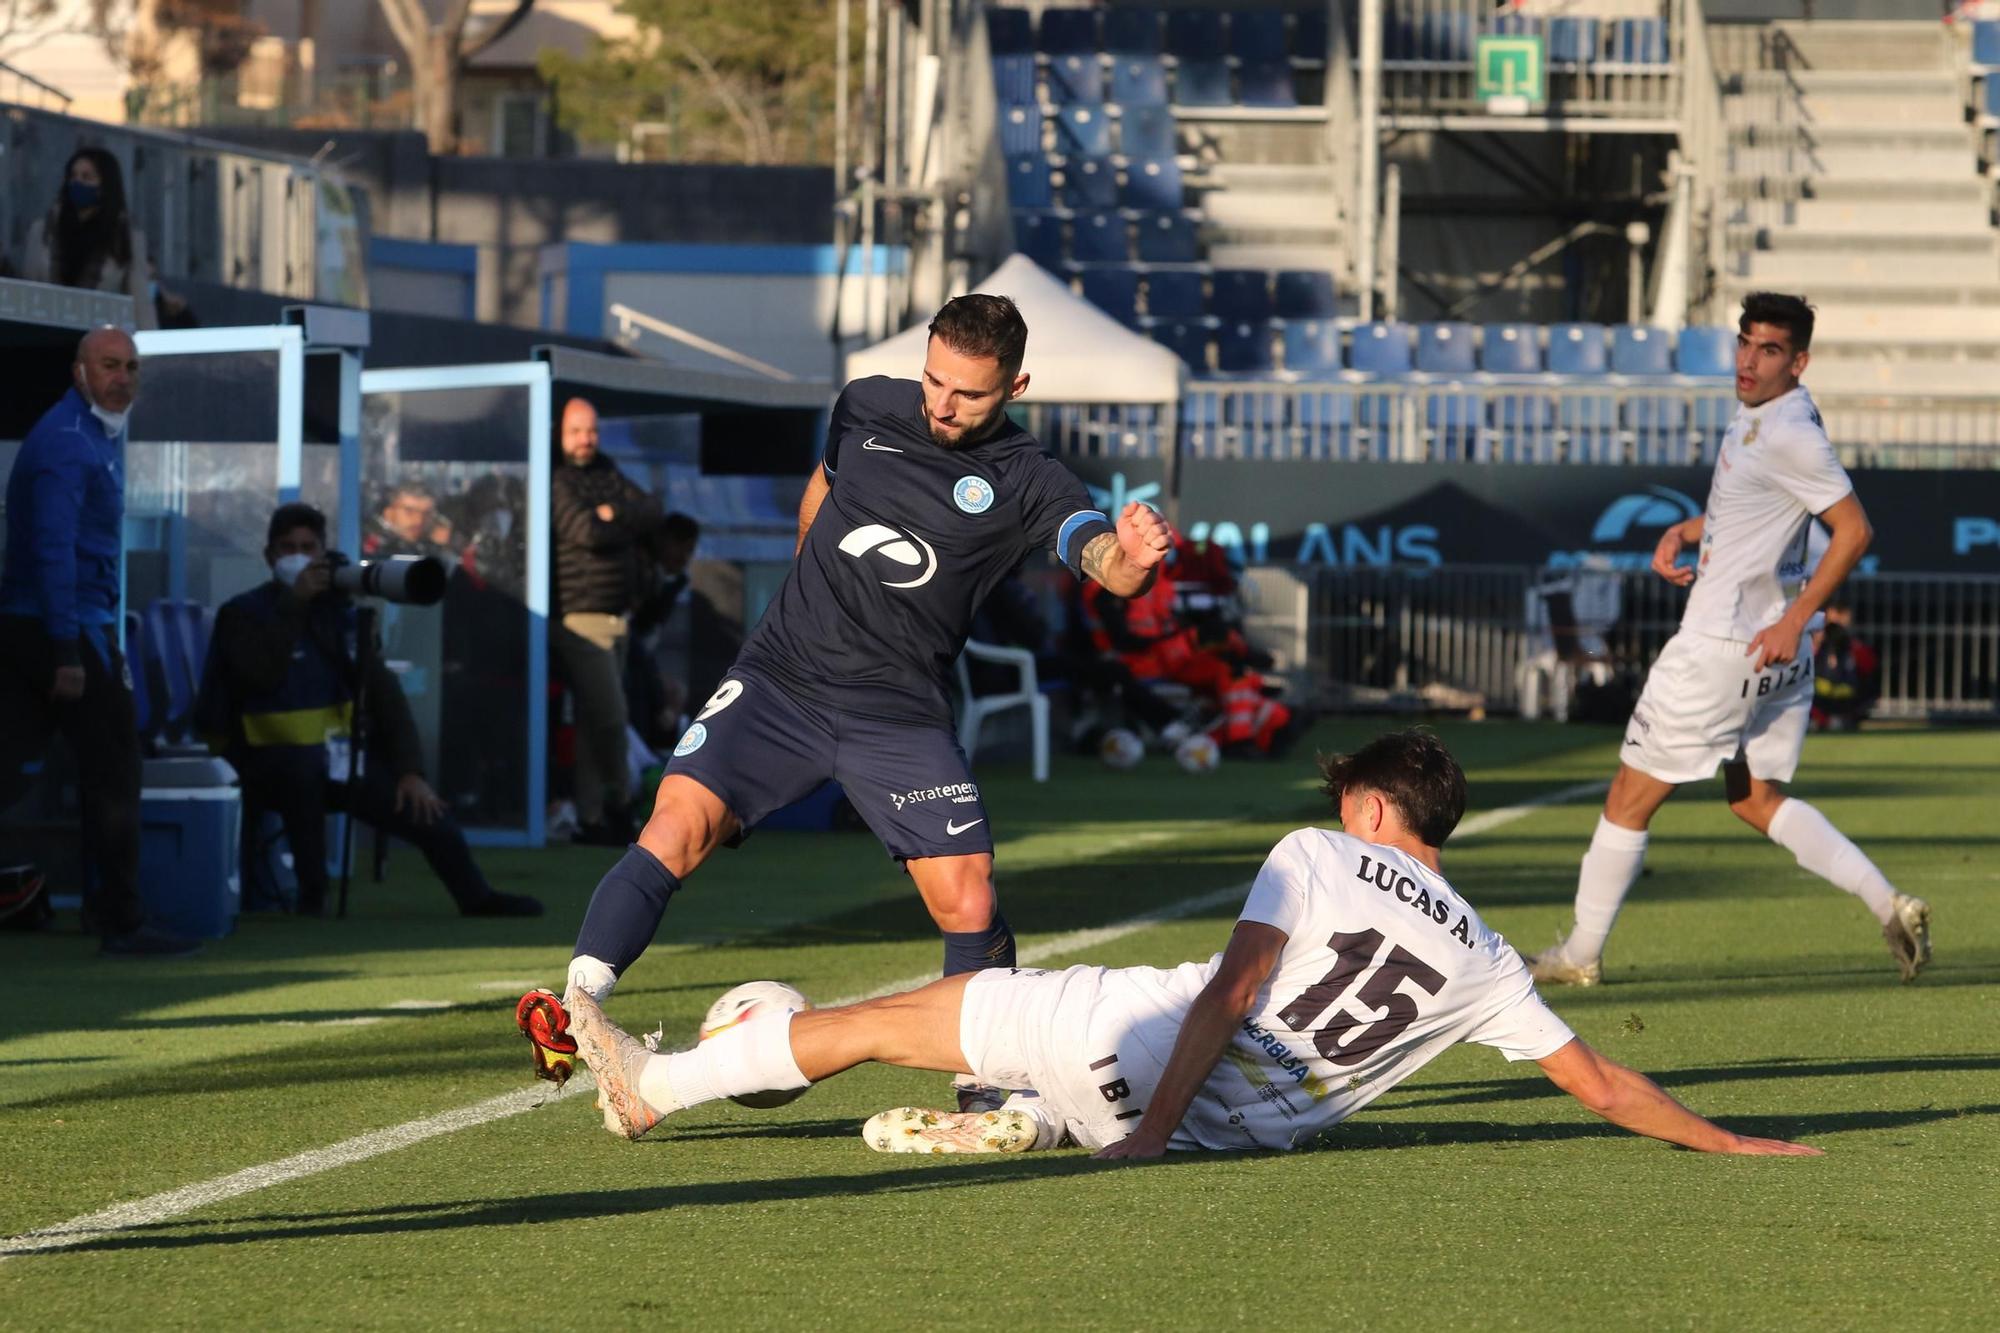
(927, 496)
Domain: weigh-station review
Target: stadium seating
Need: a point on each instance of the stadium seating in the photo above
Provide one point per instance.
(1639, 350)
(1577, 349)
(1068, 32)
(1138, 81)
(1257, 37)
(1706, 351)
(1641, 41)
(1445, 349)
(1186, 339)
(1573, 41)
(1312, 346)
(1240, 294)
(176, 635)
(1028, 182)
(1014, 79)
(1201, 78)
(1083, 131)
(1115, 291)
(1153, 186)
(1099, 238)
(1010, 32)
(1446, 37)
(1020, 130)
(1175, 294)
(1309, 35)
(1040, 238)
(1132, 30)
(1986, 43)
(1306, 294)
(1168, 238)
(1089, 184)
(1076, 80)
(1381, 349)
(1148, 132)
(1245, 349)
(1509, 349)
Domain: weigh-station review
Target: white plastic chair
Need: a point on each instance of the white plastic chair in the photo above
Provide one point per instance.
(977, 708)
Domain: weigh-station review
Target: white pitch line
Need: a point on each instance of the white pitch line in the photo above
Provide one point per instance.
(158, 1208)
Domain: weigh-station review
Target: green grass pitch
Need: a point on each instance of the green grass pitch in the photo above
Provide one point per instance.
(1474, 1196)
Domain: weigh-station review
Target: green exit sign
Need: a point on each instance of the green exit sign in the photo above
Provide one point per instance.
(1513, 77)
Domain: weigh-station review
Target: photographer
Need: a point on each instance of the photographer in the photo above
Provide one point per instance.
(279, 690)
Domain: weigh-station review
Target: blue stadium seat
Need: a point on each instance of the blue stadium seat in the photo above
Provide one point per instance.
(1010, 31)
(1083, 131)
(1704, 350)
(1991, 104)
(1039, 236)
(138, 659)
(1186, 339)
(1257, 35)
(1014, 80)
(1446, 37)
(1267, 83)
(1572, 41)
(177, 634)
(1306, 293)
(1240, 294)
(1175, 294)
(1444, 349)
(1068, 32)
(1381, 349)
(1309, 34)
(1099, 238)
(1195, 33)
(1639, 350)
(1089, 184)
(1245, 348)
(1576, 349)
(1115, 291)
(1028, 182)
(1324, 423)
(1202, 81)
(1641, 41)
(1655, 415)
(1076, 80)
(1455, 420)
(1590, 423)
(1986, 42)
(1132, 30)
(1147, 131)
(1020, 130)
(1399, 37)
(1509, 349)
(1168, 238)
(1138, 81)
(1312, 346)
(1153, 186)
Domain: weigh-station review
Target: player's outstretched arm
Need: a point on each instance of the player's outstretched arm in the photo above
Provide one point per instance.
(1212, 1018)
(1632, 1101)
(1126, 560)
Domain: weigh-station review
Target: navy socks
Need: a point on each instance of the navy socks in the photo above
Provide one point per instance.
(626, 909)
(974, 950)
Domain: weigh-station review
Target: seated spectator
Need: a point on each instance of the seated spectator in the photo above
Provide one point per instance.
(277, 701)
(1847, 675)
(87, 239)
(1206, 578)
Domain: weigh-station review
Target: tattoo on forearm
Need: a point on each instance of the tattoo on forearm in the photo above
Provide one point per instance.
(1097, 555)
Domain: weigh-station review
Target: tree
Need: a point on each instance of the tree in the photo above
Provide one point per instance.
(733, 80)
(436, 53)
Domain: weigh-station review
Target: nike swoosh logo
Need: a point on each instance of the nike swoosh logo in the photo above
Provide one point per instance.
(953, 830)
(869, 443)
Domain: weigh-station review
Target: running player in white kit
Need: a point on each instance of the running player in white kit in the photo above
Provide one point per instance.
(1734, 686)
(1352, 965)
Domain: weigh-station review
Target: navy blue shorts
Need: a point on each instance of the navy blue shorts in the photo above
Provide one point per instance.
(759, 748)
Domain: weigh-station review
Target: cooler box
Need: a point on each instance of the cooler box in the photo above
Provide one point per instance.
(190, 817)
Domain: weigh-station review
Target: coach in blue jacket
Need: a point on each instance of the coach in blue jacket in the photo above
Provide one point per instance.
(60, 668)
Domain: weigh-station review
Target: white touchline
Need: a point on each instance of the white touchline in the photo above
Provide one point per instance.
(158, 1208)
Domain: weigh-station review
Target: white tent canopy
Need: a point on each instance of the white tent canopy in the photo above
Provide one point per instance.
(1076, 352)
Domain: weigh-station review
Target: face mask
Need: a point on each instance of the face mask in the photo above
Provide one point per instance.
(289, 567)
(83, 195)
(114, 422)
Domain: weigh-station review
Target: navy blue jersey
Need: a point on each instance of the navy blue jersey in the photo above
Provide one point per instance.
(911, 538)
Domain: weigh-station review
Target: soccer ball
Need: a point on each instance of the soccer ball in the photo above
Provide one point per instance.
(1198, 753)
(740, 1004)
(1121, 748)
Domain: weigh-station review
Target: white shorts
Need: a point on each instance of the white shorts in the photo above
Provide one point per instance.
(1029, 1028)
(1705, 705)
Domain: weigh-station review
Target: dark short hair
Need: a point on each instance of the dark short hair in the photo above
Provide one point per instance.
(981, 325)
(1790, 313)
(414, 489)
(1413, 772)
(679, 527)
(286, 517)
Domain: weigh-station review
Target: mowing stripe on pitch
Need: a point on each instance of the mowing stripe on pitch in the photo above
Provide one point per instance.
(158, 1208)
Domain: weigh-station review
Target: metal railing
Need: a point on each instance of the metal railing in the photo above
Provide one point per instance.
(1457, 635)
(17, 85)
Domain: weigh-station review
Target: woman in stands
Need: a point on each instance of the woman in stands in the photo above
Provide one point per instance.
(88, 240)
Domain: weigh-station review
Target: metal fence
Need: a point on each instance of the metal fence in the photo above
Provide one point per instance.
(1457, 635)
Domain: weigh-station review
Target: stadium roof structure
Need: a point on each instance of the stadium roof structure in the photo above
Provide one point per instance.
(1076, 353)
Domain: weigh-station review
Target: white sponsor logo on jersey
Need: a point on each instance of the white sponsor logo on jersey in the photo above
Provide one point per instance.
(869, 443)
(973, 494)
(958, 793)
(904, 548)
(953, 828)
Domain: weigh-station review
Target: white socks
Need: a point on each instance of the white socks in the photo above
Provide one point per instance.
(1606, 876)
(750, 1057)
(592, 976)
(1826, 851)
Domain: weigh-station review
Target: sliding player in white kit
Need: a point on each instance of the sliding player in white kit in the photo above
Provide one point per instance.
(1353, 964)
(1734, 686)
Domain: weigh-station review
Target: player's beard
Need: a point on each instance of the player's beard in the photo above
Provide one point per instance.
(967, 437)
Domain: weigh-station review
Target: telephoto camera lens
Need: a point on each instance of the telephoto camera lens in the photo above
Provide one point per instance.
(413, 580)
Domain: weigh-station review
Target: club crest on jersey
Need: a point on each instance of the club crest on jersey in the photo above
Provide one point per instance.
(973, 494)
(691, 740)
(1750, 436)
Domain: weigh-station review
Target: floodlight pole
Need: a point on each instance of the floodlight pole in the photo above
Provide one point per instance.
(1368, 208)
